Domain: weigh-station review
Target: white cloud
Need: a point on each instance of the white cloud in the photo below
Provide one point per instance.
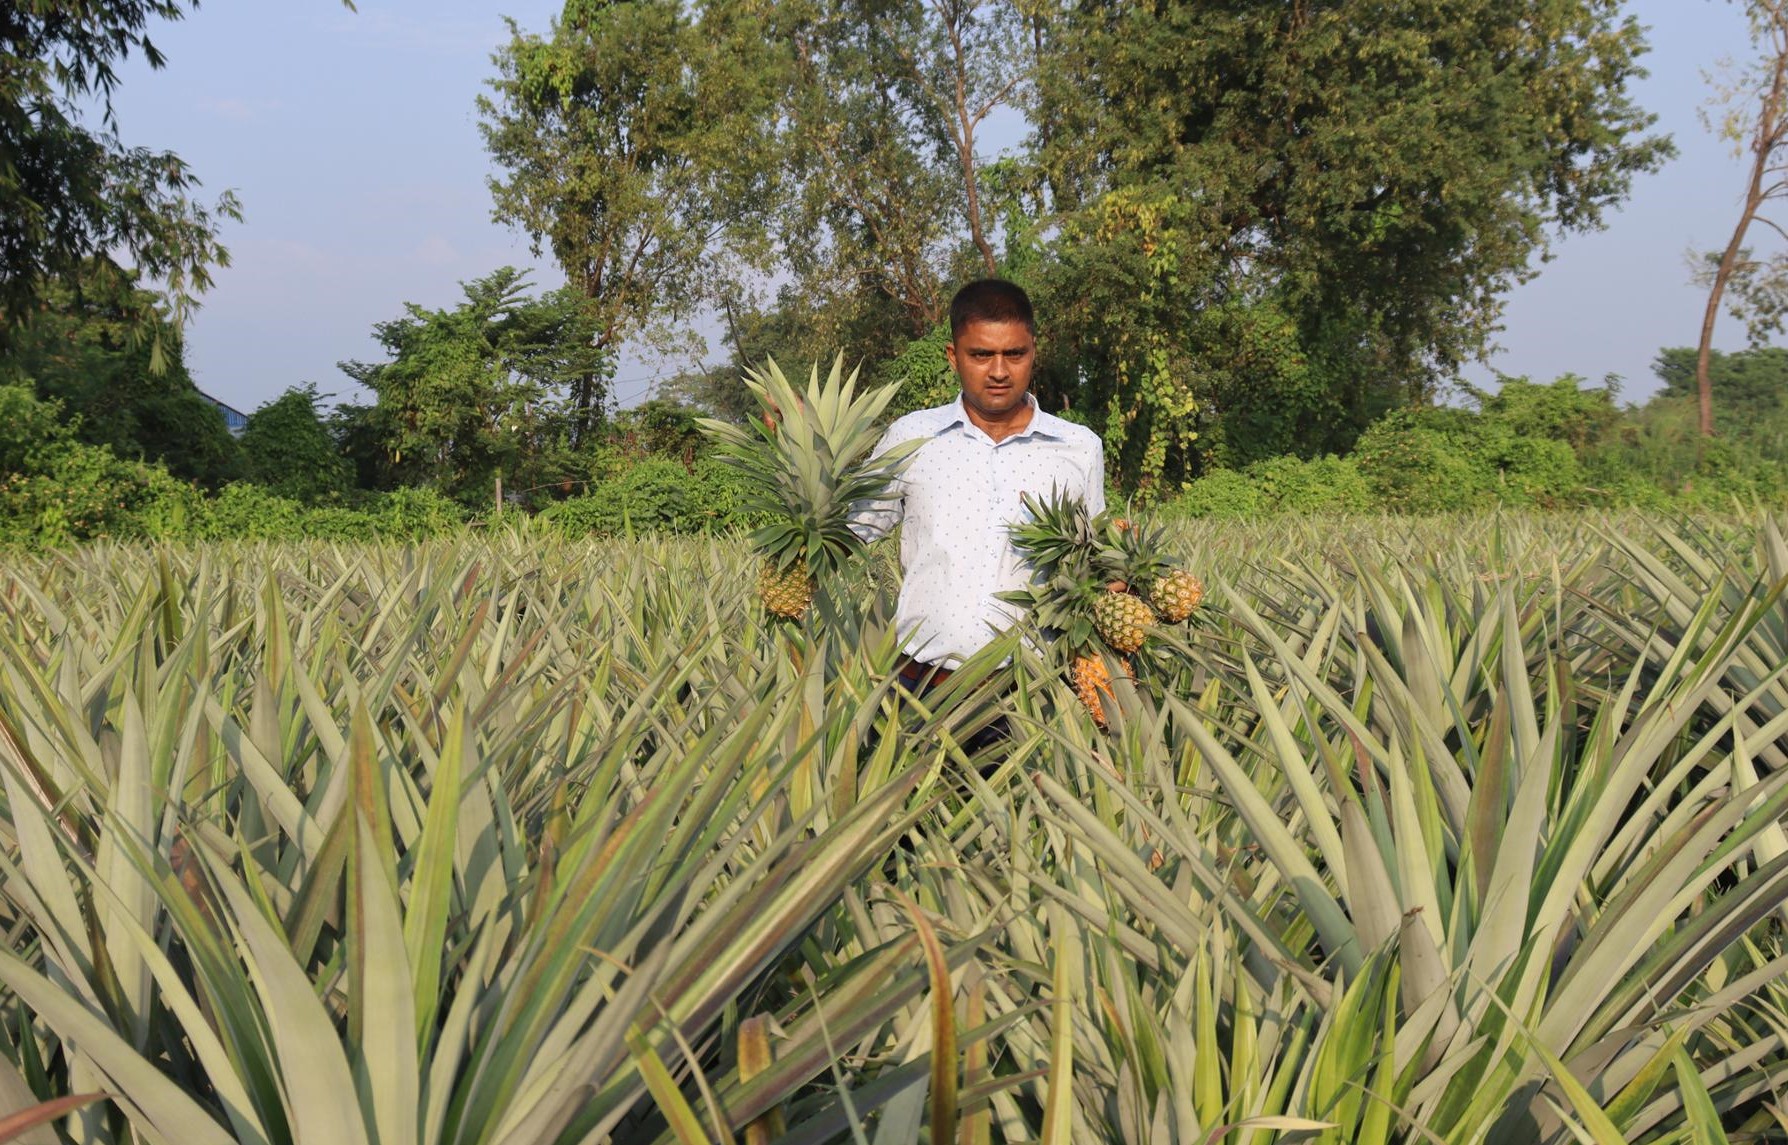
(435, 251)
(236, 109)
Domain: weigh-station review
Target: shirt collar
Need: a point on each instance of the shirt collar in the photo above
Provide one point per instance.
(1041, 424)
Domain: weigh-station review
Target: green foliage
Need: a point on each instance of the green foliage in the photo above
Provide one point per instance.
(474, 391)
(287, 448)
(1750, 392)
(57, 490)
(244, 511)
(1414, 466)
(68, 189)
(922, 369)
(250, 512)
(87, 351)
(656, 495)
(1560, 411)
(1221, 493)
(1322, 485)
(1376, 193)
(626, 138)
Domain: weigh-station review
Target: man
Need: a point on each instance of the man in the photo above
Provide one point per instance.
(961, 490)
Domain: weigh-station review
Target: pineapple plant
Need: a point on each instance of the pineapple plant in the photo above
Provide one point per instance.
(809, 460)
(1098, 579)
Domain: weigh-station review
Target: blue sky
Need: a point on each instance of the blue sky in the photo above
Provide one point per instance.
(352, 140)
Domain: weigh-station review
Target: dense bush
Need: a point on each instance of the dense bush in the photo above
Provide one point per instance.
(1418, 464)
(1529, 445)
(56, 489)
(287, 448)
(1323, 485)
(655, 495)
(922, 368)
(1220, 493)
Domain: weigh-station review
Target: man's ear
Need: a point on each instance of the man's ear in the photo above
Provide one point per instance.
(950, 353)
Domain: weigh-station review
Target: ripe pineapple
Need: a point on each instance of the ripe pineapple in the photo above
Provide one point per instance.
(1122, 620)
(809, 463)
(1069, 595)
(1091, 678)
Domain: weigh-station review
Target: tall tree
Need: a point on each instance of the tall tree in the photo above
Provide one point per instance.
(628, 139)
(1755, 121)
(962, 59)
(881, 120)
(478, 391)
(69, 191)
(1351, 184)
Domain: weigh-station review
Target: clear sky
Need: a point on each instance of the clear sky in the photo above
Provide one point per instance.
(352, 140)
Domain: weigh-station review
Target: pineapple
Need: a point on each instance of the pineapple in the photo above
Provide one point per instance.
(1122, 620)
(785, 592)
(809, 461)
(1091, 678)
(1176, 594)
(1070, 597)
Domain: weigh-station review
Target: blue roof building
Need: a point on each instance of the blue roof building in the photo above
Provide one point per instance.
(234, 419)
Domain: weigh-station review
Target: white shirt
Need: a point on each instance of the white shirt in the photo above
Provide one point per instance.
(958, 495)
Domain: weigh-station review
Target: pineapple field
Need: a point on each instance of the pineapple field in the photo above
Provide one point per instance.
(1465, 830)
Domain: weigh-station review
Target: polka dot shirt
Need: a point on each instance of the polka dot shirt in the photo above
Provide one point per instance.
(959, 494)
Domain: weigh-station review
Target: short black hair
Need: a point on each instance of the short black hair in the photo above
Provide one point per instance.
(991, 300)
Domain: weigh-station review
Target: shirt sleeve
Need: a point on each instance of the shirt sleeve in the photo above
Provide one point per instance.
(873, 520)
(1095, 481)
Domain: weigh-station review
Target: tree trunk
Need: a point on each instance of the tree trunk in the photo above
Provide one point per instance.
(1704, 350)
(966, 120)
(1765, 142)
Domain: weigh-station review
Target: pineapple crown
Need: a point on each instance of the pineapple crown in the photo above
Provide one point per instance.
(1062, 543)
(809, 460)
(1134, 549)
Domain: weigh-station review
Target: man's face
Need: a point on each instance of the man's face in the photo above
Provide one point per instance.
(994, 360)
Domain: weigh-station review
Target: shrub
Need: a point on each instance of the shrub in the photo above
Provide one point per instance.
(252, 512)
(1219, 493)
(287, 448)
(1323, 485)
(414, 513)
(656, 495)
(1539, 471)
(923, 370)
(1415, 466)
(58, 490)
(720, 492)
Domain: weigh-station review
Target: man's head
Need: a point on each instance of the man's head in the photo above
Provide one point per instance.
(993, 347)
(991, 300)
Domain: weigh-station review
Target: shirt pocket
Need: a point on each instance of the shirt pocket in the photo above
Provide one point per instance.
(1044, 474)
